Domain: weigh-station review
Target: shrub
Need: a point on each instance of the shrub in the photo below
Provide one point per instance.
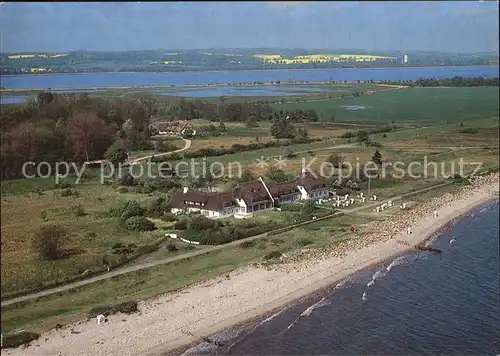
(309, 207)
(78, 210)
(67, 192)
(146, 249)
(157, 208)
(180, 225)
(125, 307)
(304, 241)
(272, 255)
(169, 217)
(171, 247)
(200, 223)
(128, 181)
(65, 185)
(469, 130)
(43, 215)
(117, 245)
(127, 210)
(247, 244)
(48, 241)
(18, 339)
(139, 223)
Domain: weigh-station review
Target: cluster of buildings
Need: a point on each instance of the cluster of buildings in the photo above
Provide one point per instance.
(249, 198)
(174, 128)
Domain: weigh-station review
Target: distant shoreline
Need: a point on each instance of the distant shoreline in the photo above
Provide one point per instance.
(241, 70)
(152, 87)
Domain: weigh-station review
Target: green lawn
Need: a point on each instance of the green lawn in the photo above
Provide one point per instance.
(423, 105)
(89, 238)
(47, 311)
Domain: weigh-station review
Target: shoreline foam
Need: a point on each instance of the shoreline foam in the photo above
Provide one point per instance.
(164, 323)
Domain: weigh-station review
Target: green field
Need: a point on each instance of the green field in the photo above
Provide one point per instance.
(422, 105)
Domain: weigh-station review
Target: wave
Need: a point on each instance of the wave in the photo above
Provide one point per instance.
(271, 317)
(379, 274)
(371, 283)
(406, 259)
(323, 302)
(342, 284)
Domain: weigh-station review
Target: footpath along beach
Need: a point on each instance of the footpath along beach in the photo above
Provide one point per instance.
(174, 320)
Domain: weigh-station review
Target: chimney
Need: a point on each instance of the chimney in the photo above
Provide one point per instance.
(185, 190)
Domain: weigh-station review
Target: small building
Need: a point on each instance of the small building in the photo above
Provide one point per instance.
(249, 198)
(174, 128)
(285, 193)
(312, 186)
(252, 197)
(211, 205)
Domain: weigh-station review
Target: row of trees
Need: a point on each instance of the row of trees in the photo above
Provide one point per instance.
(78, 128)
(448, 82)
(72, 127)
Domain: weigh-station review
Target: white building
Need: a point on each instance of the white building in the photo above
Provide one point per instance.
(249, 198)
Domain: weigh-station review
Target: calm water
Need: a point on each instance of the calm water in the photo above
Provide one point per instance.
(420, 304)
(53, 81)
(258, 90)
(12, 99)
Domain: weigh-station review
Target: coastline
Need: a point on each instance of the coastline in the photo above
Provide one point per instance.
(163, 324)
(246, 70)
(319, 288)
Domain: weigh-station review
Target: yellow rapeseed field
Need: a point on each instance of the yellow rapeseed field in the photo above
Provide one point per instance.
(26, 56)
(317, 58)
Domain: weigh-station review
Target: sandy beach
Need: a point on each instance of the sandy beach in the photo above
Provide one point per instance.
(177, 319)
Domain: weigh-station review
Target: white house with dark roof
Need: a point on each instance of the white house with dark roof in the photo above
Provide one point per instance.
(248, 198)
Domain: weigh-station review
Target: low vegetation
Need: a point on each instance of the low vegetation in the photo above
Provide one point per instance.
(107, 310)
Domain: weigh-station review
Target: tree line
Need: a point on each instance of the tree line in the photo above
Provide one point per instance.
(448, 82)
(78, 128)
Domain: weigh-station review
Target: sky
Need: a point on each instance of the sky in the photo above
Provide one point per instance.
(467, 26)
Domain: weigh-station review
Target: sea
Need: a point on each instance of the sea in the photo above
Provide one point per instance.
(419, 303)
(63, 80)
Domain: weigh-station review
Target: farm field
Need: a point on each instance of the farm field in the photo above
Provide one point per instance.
(319, 58)
(417, 105)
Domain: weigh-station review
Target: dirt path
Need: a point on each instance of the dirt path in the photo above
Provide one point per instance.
(187, 145)
(142, 266)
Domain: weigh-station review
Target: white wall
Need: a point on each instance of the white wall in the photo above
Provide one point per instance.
(242, 207)
(303, 193)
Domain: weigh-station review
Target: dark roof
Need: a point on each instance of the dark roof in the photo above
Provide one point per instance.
(176, 126)
(251, 192)
(285, 188)
(310, 182)
(208, 201)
